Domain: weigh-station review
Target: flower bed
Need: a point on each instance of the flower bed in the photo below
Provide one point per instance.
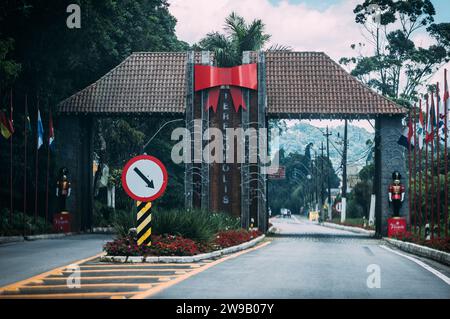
(230, 238)
(441, 244)
(170, 245)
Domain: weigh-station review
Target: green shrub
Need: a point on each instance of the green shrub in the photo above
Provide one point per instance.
(354, 210)
(103, 216)
(123, 221)
(20, 224)
(197, 225)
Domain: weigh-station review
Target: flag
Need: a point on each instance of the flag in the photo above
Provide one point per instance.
(431, 123)
(40, 131)
(420, 129)
(406, 137)
(6, 126)
(441, 111)
(51, 132)
(27, 121)
(446, 99)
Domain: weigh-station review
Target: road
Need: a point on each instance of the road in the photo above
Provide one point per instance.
(21, 260)
(317, 263)
(304, 260)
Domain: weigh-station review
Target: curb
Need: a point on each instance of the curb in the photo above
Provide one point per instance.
(419, 250)
(183, 259)
(349, 228)
(48, 236)
(10, 239)
(102, 230)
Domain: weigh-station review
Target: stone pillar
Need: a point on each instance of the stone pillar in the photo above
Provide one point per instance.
(262, 123)
(245, 166)
(389, 157)
(205, 176)
(188, 170)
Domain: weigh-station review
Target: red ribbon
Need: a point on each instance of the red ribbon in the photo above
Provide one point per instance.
(210, 77)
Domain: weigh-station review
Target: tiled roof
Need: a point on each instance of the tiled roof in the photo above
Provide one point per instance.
(311, 83)
(306, 83)
(143, 82)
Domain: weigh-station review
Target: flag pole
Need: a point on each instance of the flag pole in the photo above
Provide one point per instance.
(11, 159)
(48, 165)
(25, 164)
(438, 160)
(432, 166)
(420, 168)
(426, 160)
(415, 169)
(446, 151)
(36, 163)
(410, 173)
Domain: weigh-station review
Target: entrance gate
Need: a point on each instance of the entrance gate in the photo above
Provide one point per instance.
(290, 85)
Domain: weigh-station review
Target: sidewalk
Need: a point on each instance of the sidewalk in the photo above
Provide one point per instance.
(25, 259)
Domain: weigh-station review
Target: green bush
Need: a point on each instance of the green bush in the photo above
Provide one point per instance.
(197, 225)
(103, 216)
(20, 224)
(123, 221)
(354, 210)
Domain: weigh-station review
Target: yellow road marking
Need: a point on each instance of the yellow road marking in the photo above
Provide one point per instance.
(161, 287)
(113, 277)
(130, 265)
(70, 295)
(89, 271)
(138, 285)
(48, 273)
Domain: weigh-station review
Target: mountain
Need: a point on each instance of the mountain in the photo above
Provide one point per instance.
(296, 137)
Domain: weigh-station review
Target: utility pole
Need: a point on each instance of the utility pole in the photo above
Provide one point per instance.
(316, 179)
(322, 192)
(327, 135)
(344, 176)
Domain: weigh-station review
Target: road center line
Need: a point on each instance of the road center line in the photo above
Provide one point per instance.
(421, 264)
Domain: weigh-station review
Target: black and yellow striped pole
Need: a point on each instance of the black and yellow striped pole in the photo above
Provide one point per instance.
(144, 223)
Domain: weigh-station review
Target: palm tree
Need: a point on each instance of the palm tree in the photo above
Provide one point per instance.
(239, 37)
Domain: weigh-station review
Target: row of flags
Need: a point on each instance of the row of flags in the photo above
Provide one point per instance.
(437, 121)
(7, 128)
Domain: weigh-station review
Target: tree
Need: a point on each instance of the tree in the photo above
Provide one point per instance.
(239, 36)
(397, 67)
(40, 56)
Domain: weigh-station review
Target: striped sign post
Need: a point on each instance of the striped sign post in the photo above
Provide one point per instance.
(144, 223)
(144, 178)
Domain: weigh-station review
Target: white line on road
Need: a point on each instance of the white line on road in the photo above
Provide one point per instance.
(422, 264)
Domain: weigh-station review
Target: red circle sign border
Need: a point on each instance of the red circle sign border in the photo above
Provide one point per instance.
(161, 166)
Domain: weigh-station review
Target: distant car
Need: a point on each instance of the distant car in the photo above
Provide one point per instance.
(285, 213)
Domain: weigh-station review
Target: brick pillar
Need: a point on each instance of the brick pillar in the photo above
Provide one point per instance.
(389, 157)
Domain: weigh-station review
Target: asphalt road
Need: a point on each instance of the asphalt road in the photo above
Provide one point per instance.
(22, 260)
(313, 262)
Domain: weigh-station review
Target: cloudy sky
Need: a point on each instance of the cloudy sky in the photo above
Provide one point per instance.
(303, 25)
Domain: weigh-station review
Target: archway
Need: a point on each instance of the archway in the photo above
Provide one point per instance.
(291, 85)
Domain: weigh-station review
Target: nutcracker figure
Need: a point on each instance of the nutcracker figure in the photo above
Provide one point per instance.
(63, 188)
(396, 193)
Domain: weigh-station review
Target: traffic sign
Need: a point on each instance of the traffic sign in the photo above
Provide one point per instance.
(144, 178)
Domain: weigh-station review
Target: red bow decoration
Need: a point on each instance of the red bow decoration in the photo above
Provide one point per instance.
(210, 77)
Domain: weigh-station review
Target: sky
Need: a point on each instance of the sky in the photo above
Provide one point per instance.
(303, 25)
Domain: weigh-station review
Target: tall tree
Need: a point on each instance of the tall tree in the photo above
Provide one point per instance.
(239, 36)
(396, 66)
